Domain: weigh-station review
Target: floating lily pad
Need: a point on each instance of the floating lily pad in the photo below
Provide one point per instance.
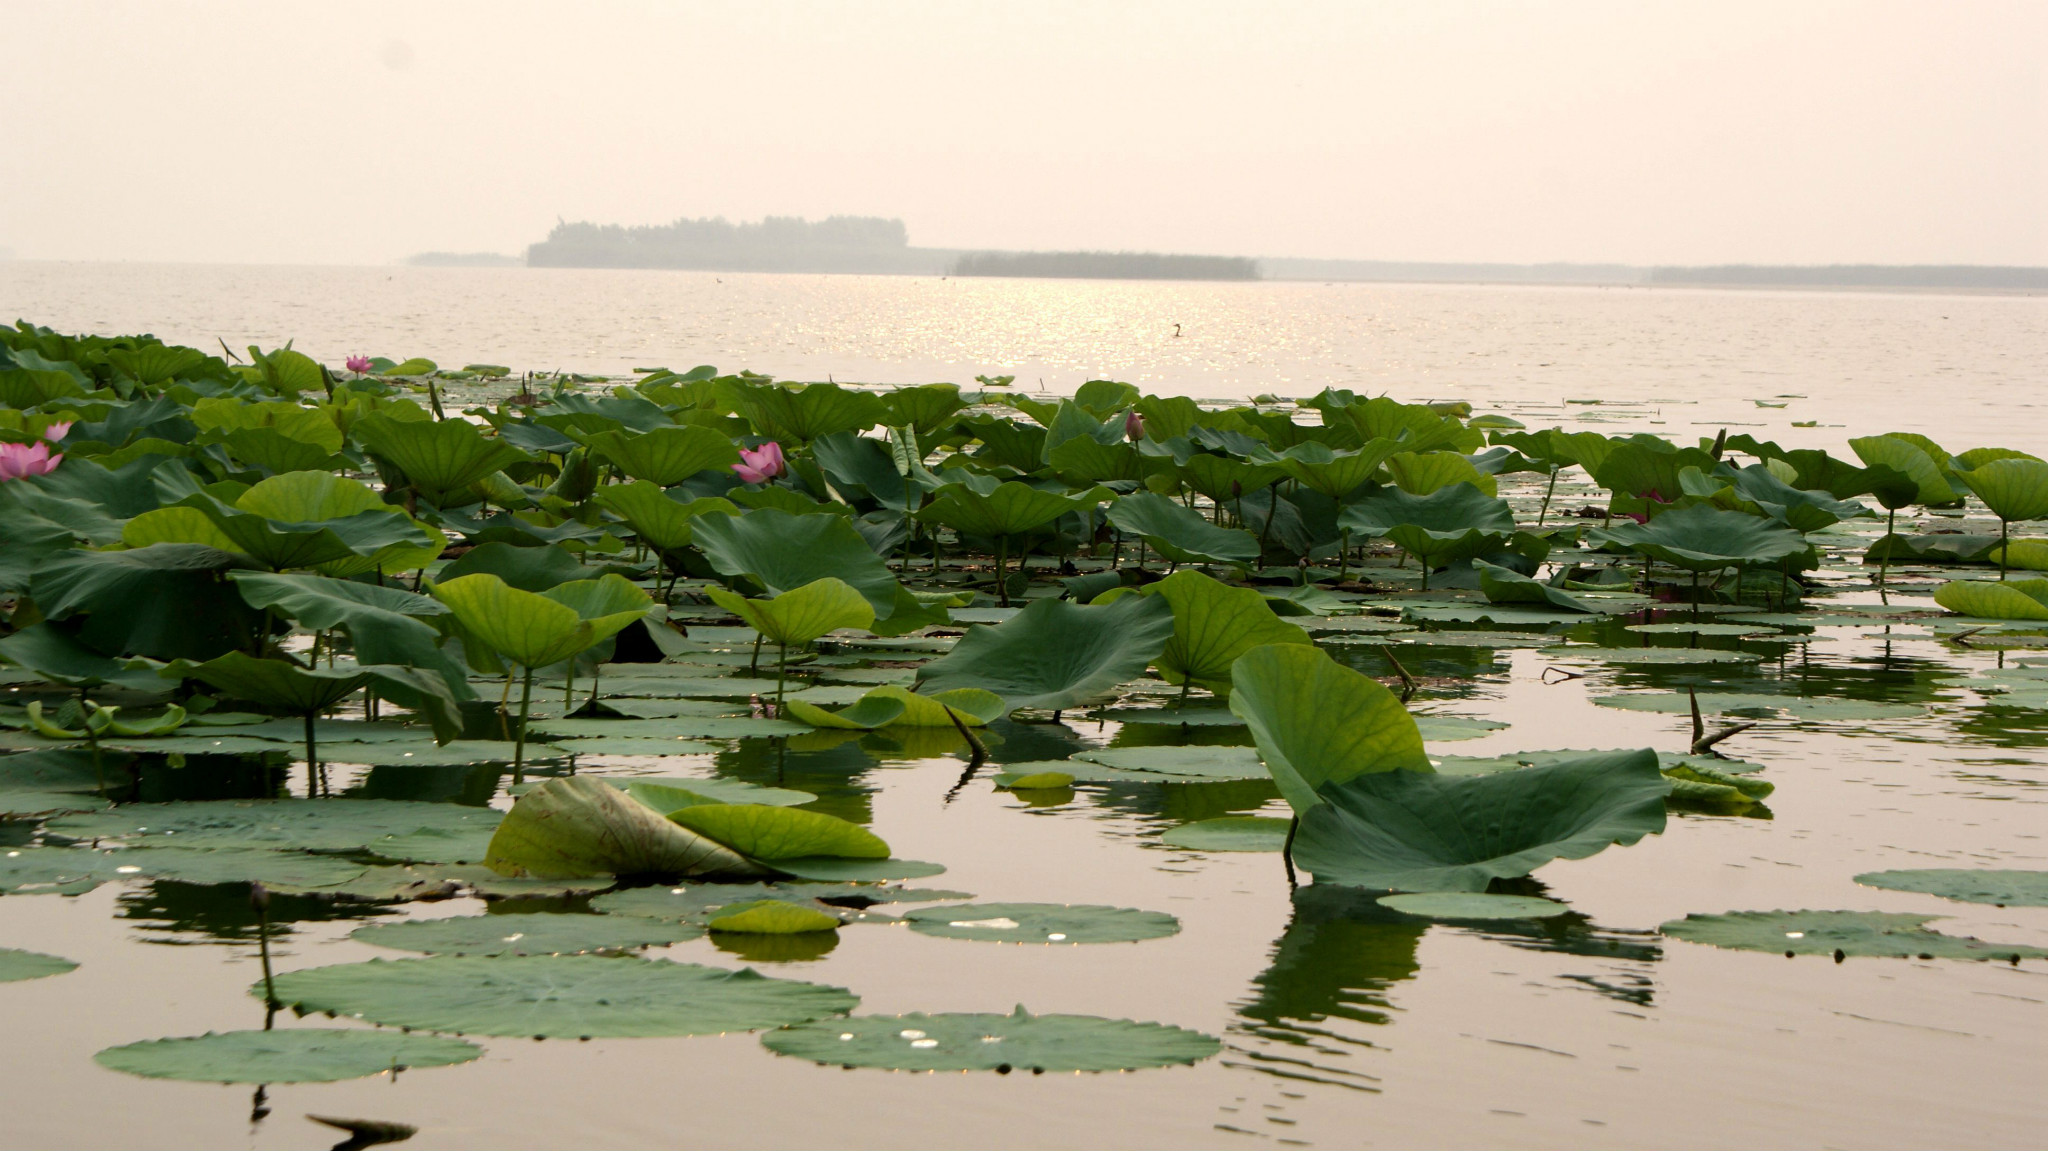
(56, 870)
(721, 790)
(1749, 704)
(1199, 762)
(233, 865)
(1230, 833)
(1970, 885)
(19, 965)
(1042, 923)
(1038, 781)
(830, 869)
(50, 802)
(304, 824)
(294, 1055)
(679, 728)
(563, 996)
(1496, 615)
(424, 753)
(1450, 728)
(1492, 639)
(1681, 627)
(537, 934)
(1871, 933)
(1670, 656)
(975, 1042)
(700, 903)
(1172, 716)
(1472, 905)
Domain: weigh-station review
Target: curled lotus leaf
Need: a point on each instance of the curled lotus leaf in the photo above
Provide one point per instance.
(579, 826)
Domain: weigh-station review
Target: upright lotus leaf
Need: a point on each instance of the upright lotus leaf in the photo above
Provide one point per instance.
(1087, 460)
(1179, 533)
(768, 833)
(1804, 511)
(783, 552)
(1226, 480)
(862, 467)
(534, 569)
(532, 630)
(285, 686)
(437, 457)
(667, 456)
(2015, 488)
(604, 598)
(384, 623)
(1447, 525)
(1419, 474)
(1505, 585)
(1981, 599)
(803, 614)
(1648, 470)
(53, 651)
(1703, 538)
(1011, 509)
(662, 523)
(1905, 456)
(923, 408)
(1318, 722)
(1335, 474)
(1007, 443)
(167, 601)
(279, 544)
(1411, 831)
(305, 497)
(579, 826)
(802, 414)
(1415, 426)
(866, 714)
(1056, 654)
(1214, 624)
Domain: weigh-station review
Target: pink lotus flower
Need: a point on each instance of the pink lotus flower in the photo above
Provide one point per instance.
(19, 460)
(761, 464)
(358, 364)
(1134, 426)
(57, 431)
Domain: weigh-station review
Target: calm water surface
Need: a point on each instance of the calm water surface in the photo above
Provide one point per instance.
(1342, 1028)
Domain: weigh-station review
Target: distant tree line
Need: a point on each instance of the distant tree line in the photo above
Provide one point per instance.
(1106, 266)
(775, 244)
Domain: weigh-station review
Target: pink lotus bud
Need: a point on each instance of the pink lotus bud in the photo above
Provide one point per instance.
(57, 431)
(1134, 426)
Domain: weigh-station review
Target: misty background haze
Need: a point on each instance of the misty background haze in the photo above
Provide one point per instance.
(1668, 133)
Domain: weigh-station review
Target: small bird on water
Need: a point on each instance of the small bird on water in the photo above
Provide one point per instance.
(1176, 331)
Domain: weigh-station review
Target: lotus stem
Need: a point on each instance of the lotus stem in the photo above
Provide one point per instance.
(259, 898)
(1703, 744)
(1407, 681)
(1699, 728)
(569, 686)
(1287, 852)
(754, 667)
(781, 672)
(519, 737)
(1547, 492)
(1002, 561)
(312, 760)
(1884, 562)
(977, 752)
(2004, 542)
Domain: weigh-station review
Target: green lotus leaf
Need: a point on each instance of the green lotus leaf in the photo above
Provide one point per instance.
(1011, 509)
(1056, 654)
(16, 966)
(1333, 473)
(581, 826)
(308, 497)
(700, 903)
(534, 630)
(1703, 538)
(803, 614)
(1318, 723)
(1214, 624)
(1058, 923)
(1412, 831)
(923, 408)
(659, 521)
(529, 934)
(1180, 533)
(1983, 599)
(784, 552)
(54, 652)
(2022, 555)
(667, 456)
(666, 795)
(1454, 522)
(1427, 472)
(383, 623)
(1505, 585)
(836, 869)
(1908, 458)
(1037, 781)
(279, 544)
(1967, 884)
(436, 457)
(300, 824)
(289, 1055)
(772, 917)
(285, 686)
(870, 712)
(165, 602)
(972, 1042)
(1229, 833)
(564, 996)
(767, 833)
(1633, 469)
(1171, 764)
(804, 413)
(1800, 510)
(1860, 933)
(175, 525)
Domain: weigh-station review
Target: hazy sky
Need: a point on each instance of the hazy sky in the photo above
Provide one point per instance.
(1638, 132)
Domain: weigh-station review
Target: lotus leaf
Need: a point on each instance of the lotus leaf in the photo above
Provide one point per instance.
(1427, 472)
(1982, 599)
(383, 623)
(302, 824)
(1042, 923)
(1037, 781)
(771, 834)
(1425, 832)
(784, 552)
(54, 652)
(1229, 833)
(16, 966)
(1179, 533)
(558, 995)
(1056, 654)
(1970, 885)
(835, 869)
(1505, 585)
(1904, 456)
(294, 1055)
(285, 686)
(532, 934)
(1860, 933)
(1011, 509)
(1703, 538)
(1214, 624)
(772, 917)
(165, 602)
(437, 457)
(802, 614)
(964, 1042)
(1317, 722)
(534, 569)
(803, 413)
(581, 826)
(535, 630)
(1175, 764)
(666, 456)
(661, 522)
(1473, 905)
